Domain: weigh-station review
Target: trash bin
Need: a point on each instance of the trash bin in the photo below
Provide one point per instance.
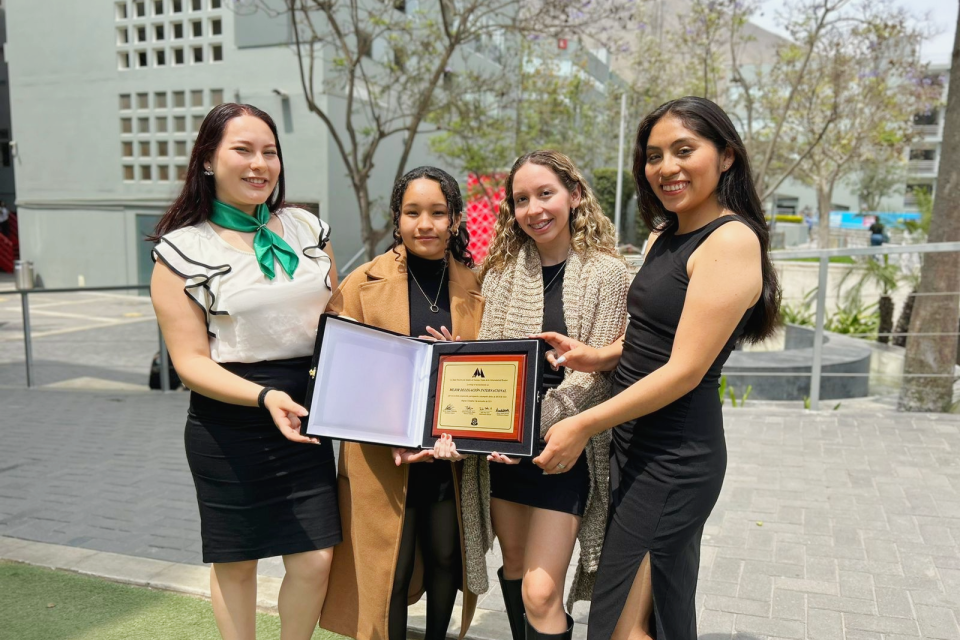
(23, 274)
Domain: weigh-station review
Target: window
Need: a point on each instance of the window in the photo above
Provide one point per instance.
(141, 34)
(145, 172)
(216, 27)
(180, 148)
(158, 32)
(181, 170)
(122, 10)
(124, 101)
(160, 58)
(196, 29)
(196, 98)
(179, 99)
(214, 4)
(128, 172)
(197, 121)
(216, 97)
(160, 100)
(142, 59)
(123, 36)
(177, 30)
(143, 125)
(364, 43)
(140, 8)
(179, 124)
(177, 56)
(160, 124)
(163, 148)
(123, 60)
(163, 173)
(158, 7)
(144, 148)
(126, 125)
(197, 55)
(928, 118)
(126, 149)
(143, 101)
(923, 154)
(216, 53)
(176, 6)
(197, 5)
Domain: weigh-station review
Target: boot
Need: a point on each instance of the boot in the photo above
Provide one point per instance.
(533, 634)
(513, 600)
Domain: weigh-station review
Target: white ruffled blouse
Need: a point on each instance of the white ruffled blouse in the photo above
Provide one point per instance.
(250, 318)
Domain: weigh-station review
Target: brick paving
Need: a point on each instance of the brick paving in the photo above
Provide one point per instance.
(830, 525)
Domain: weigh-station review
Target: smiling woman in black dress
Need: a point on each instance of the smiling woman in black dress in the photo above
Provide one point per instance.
(706, 283)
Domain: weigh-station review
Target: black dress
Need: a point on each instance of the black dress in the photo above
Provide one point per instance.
(667, 467)
(525, 482)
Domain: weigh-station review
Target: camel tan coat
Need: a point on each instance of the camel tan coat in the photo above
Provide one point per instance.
(372, 489)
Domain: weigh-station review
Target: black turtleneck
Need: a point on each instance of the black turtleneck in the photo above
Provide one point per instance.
(431, 277)
(428, 483)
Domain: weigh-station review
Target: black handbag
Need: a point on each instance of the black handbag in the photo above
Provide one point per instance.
(155, 373)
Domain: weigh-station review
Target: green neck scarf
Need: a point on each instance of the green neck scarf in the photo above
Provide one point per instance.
(267, 245)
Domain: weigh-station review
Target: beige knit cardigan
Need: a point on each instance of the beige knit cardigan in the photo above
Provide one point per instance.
(594, 307)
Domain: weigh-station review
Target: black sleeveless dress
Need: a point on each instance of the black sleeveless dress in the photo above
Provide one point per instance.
(667, 467)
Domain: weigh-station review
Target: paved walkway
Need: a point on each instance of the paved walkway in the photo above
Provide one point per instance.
(830, 525)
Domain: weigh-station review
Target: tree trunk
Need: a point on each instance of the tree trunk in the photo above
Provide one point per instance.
(824, 196)
(903, 322)
(936, 355)
(886, 319)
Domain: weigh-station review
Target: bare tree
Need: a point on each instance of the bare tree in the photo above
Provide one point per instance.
(395, 68)
(932, 348)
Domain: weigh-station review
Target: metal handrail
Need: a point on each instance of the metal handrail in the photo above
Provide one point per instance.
(824, 256)
(28, 339)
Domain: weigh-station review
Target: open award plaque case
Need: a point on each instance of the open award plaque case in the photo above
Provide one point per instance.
(375, 386)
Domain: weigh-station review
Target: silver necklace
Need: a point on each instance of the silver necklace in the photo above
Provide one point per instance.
(433, 305)
(561, 270)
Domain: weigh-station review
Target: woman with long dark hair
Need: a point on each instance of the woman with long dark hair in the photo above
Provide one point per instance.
(401, 509)
(707, 282)
(239, 284)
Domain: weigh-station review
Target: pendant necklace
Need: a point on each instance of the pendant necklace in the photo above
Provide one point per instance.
(433, 305)
(561, 270)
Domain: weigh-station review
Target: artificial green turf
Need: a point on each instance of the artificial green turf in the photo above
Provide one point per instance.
(41, 604)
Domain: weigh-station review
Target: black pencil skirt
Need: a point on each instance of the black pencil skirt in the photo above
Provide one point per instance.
(260, 495)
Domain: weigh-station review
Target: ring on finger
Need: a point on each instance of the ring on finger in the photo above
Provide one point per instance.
(560, 465)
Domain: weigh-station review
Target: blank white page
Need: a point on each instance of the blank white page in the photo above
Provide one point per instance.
(370, 386)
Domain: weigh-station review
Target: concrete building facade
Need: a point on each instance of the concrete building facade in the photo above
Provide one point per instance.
(107, 97)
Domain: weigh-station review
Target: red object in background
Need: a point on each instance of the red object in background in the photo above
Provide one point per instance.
(562, 43)
(484, 194)
(6, 254)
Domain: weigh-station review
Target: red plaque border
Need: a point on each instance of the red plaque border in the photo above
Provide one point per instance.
(516, 435)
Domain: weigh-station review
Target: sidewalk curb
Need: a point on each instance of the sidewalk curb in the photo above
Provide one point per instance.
(195, 580)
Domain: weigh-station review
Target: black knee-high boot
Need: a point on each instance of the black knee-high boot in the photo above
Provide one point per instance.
(513, 601)
(533, 634)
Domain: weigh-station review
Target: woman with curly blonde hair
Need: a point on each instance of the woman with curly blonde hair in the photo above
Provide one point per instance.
(553, 266)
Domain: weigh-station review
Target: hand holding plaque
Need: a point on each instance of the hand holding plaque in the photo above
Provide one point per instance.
(379, 387)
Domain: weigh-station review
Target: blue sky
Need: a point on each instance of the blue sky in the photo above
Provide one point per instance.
(936, 49)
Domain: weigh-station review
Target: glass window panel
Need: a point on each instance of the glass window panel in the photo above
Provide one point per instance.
(160, 99)
(163, 173)
(163, 148)
(181, 171)
(158, 33)
(143, 125)
(126, 125)
(144, 148)
(216, 96)
(158, 7)
(160, 124)
(197, 121)
(128, 172)
(196, 98)
(141, 33)
(177, 56)
(122, 11)
(145, 172)
(177, 30)
(196, 28)
(179, 99)
(123, 36)
(176, 6)
(179, 124)
(143, 101)
(126, 148)
(124, 101)
(180, 148)
(160, 58)
(216, 27)
(123, 60)
(216, 53)
(140, 8)
(197, 5)
(197, 54)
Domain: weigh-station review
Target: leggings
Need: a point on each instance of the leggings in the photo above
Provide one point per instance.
(434, 527)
